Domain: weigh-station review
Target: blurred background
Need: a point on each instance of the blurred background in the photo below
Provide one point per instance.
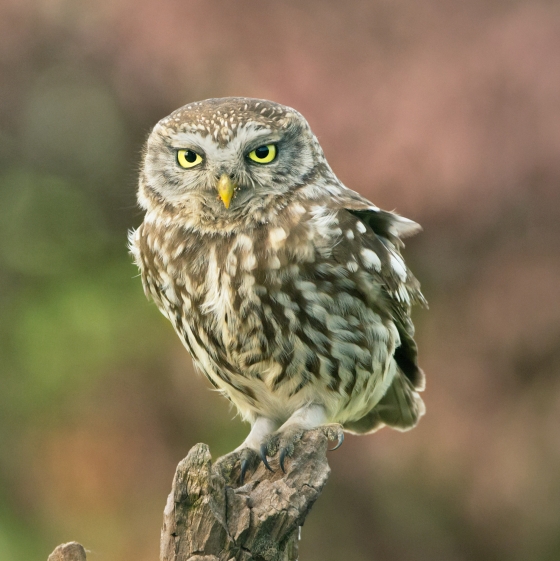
(448, 112)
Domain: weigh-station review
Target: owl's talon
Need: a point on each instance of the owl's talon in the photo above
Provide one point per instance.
(282, 443)
(244, 466)
(283, 454)
(334, 431)
(246, 458)
(339, 443)
(264, 450)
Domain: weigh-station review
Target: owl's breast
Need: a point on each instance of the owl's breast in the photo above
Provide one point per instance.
(271, 314)
(230, 291)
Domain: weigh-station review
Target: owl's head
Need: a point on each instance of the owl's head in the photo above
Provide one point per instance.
(220, 156)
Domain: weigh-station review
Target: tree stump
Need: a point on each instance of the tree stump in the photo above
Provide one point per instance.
(71, 551)
(209, 516)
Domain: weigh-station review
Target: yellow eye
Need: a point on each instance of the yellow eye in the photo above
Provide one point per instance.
(263, 154)
(188, 158)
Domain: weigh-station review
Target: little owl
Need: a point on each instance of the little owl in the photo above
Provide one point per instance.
(288, 289)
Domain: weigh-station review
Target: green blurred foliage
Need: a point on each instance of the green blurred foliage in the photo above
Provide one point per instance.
(73, 310)
(48, 227)
(73, 122)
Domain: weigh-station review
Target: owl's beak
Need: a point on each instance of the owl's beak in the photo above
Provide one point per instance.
(225, 189)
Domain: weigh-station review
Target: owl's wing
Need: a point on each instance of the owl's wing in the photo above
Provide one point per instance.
(365, 229)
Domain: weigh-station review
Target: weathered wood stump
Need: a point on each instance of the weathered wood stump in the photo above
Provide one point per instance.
(209, 516)
(71, 551)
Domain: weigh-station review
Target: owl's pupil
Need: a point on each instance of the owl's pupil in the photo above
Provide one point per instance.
(262, 152)
(190, 156)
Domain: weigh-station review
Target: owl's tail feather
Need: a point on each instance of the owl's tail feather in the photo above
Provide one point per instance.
(400, 408)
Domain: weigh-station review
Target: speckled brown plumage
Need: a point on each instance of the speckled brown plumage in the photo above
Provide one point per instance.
(294, 301)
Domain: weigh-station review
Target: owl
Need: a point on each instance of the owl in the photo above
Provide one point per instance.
(288, 289)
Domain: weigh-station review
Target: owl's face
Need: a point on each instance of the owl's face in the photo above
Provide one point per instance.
(219, 155)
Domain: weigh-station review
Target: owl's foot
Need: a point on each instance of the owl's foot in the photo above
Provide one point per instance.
(335, 432)
(246, 458)
(283, 441)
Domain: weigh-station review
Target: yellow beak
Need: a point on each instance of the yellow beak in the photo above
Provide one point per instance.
(225, 189)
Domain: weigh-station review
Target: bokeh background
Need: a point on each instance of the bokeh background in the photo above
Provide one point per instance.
(448, 112)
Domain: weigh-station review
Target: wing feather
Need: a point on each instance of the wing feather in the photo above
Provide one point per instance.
(382, 232)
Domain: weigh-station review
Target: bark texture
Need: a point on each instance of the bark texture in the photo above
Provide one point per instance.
(71, 551)
(210, 517)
